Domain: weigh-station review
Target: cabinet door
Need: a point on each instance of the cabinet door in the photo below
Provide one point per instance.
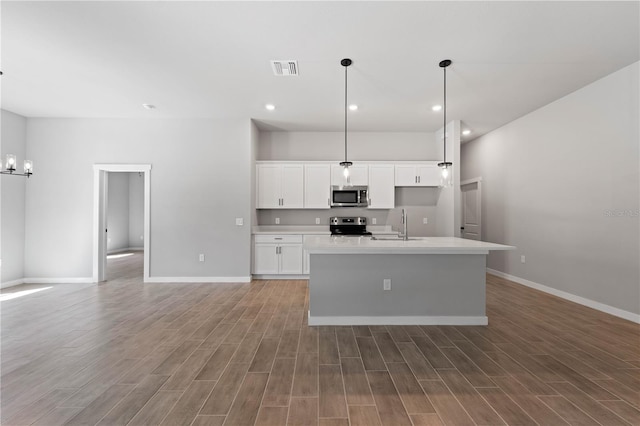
(265, 260)
(317, 185)
(268, 184)
(429, 175)
(381, 186)
(359, 175)
(406, 175)
(291, 259)
(292, 186)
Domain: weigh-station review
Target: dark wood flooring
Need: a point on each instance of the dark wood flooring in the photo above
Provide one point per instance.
(126, 353)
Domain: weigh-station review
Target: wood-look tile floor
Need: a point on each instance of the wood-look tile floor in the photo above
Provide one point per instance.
(126, 353)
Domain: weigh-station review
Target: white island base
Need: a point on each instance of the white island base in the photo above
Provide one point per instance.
(430, 284)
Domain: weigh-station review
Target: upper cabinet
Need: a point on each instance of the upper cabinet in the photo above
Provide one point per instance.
(359, 174)
(417, 175)
(381, 186)
(279, 186)
(317, 185)
(292, 185)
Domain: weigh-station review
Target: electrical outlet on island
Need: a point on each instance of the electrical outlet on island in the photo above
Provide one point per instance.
(277, 221)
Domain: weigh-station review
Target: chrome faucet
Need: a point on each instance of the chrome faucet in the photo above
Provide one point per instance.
(404, 235)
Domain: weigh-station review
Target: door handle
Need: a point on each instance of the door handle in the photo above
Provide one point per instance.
(462, 228)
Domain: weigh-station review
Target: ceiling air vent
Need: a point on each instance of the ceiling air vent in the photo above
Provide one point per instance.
(285, 68)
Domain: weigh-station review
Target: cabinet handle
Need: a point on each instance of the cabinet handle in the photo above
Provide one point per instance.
(277, 238)
(415, 179)
(418, 179)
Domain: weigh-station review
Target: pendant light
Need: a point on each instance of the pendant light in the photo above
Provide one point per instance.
(446, 178)
(346, 163)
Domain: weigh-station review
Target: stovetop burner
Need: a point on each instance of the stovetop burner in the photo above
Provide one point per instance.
(349, 226)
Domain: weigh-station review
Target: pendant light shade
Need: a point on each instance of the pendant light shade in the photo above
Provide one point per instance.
(446, 177)
(346, 163)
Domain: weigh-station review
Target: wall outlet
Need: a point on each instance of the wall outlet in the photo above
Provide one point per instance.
(277, 221)
(239, 221)
(201, 257)
(373, 220)
(317, 221)
(386, 284)
(425, 220)
(523, 259)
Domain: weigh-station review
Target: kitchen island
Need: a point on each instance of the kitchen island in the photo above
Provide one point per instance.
(430, 281)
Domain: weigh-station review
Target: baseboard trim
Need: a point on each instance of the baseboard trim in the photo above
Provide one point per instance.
(198, 280)
(279, 277)
(74, 280)
(121, 250)
(13, 283)
(608, 309)
(397, 320)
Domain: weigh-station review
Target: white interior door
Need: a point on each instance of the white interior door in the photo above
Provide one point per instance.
(471, 210)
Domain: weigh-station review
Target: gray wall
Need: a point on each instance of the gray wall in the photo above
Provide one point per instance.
(118, 212)
(136, 210)
(200, 182)
(12, 198)
(319, 146)
(562, 184)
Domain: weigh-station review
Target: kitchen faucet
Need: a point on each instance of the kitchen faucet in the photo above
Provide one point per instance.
(404, 235)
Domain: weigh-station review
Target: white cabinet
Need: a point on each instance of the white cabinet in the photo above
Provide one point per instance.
(359, 174)
(317, 186)
(279, 186)
(277, 254)
(381, 186)
(417, 175)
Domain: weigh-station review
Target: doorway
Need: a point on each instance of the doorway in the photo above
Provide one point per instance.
(100, 215)
(471, 191)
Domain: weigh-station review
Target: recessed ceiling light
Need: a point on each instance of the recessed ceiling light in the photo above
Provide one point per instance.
(149, 106)
(436, 107)
(466, 132)
(353, 107)
(270, 107)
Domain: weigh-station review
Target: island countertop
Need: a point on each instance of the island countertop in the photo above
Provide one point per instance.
(421, 245)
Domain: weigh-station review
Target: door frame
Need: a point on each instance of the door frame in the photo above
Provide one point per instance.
(478, 181)
(100, 188)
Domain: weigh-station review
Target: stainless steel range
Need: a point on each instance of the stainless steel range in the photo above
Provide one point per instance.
(349, 226)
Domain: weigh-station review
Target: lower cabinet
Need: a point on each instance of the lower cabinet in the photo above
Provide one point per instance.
(277, 254)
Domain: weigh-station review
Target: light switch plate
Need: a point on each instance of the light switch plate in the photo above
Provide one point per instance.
(277, 221)
(239, 221)
(201, 258)
(425, 220)
(317, 221)
(374, 220)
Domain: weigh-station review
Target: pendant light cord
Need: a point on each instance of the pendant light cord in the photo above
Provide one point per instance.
(444, 127)
(345, 113)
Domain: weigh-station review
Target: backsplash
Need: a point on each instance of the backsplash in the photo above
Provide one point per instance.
(419, 203)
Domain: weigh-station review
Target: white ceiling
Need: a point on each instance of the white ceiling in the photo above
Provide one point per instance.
(211, 59)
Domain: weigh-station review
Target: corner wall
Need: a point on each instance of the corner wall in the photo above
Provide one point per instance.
(12, 199)
(562, 184)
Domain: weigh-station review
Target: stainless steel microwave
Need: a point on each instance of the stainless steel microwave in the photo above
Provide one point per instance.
(349, 196)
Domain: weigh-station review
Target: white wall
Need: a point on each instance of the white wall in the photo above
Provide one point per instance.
(200, 182)
(118, 211)
(562, 184)
(136, 210)
(12, 198)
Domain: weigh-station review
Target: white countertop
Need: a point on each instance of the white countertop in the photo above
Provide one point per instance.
(313, 230)
(421, 245)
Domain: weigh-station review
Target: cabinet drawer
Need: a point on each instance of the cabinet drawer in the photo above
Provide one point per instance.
(279, 239)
